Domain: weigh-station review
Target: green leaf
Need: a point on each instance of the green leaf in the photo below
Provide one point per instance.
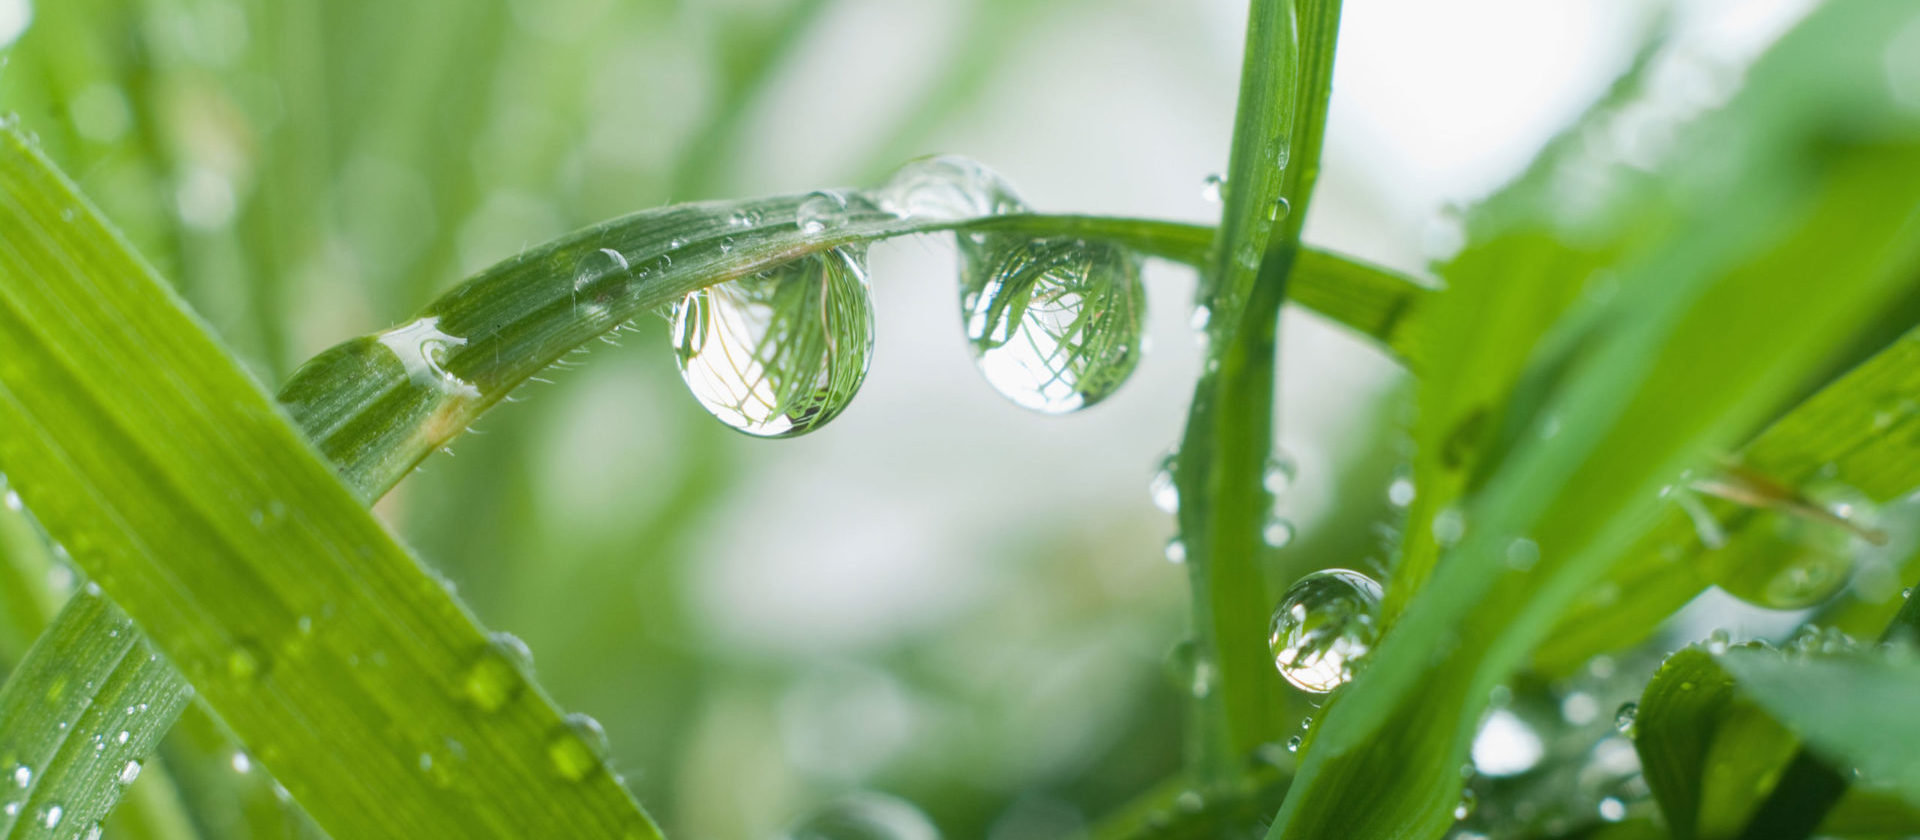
(1703, 330)
(176, 484)
(1708, 753)
(1853, 709)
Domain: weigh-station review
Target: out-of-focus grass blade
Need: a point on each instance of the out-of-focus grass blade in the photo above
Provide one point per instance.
(79, 721)
(1706, 751)
(1706, 329)
(1855, 709)
(171, 479)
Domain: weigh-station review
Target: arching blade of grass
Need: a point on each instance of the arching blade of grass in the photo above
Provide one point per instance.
(177, 486)
(1706, 330)
(380, 447)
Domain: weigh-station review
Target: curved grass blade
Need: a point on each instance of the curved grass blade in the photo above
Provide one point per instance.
(1711, 327)
(1706, 750)
(175, 483)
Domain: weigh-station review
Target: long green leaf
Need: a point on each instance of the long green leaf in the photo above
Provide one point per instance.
(339, 661)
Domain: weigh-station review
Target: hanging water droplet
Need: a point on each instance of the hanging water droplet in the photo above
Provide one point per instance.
(578, 748)
(1280, 472)
(863, 816)
(1202, 315)
(1293, 744)
(1324, 625)
(1278, 209)
(605, 262)
(1055, 324)
(1213, 188)
(779, 355)
(1176, 550)
(498, 673)
(1624, 718)
(1162, 488)
(821, 211)
(1612, 809)
(1277, 532)
(1468, 802)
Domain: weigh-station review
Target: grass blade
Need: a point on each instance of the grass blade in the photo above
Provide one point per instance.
(176, 484)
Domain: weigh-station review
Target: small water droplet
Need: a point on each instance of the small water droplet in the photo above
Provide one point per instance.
(12, 501)
(129, 771)
(1468, 802)
(863, 816)
(726, 245)
(498, 673)
(242, 763)
(744, 218)
(1324, 625)
(246, 662)
(1176, 550)
(821, 211)
(1277, 532)
(22, 776)
(1293, 744)
(578, 748)
(1400, 491)
(123, 737)
(50, 816)
(1612, 809)
(779, 355)
(1055, 324)
(1204, 676)
(1522, 554)
(1213, 188)
(1280, 472)
(1283, 154)
(605, 262)
(1162, 488)
(1623, 719)
(1278, 210)
(1717, 642)
(1202, 315)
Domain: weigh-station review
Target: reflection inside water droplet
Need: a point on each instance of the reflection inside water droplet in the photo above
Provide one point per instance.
(578, 748)
(782, 353)
(1324, 625)
(821, 211)
(422, 349)
(1055, 324)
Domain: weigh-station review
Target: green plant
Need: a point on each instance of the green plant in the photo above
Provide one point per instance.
(1647, 373)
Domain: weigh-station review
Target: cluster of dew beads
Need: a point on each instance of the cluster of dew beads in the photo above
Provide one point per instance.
(1324, 625)
(1056, 323)
(863, 816)
(783, 352)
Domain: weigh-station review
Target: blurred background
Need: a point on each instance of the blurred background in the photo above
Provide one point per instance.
(939, 595)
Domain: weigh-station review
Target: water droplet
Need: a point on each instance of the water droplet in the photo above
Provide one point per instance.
(94, 832)
(1624, 718)
(1280, 472)
(1202, 315)
(1522, 554)
(241, 762)
(726, 245)
(1717, 642)
(129, 772)
(12, 501)
(498, 673)
(1401, 491)
(1176, 550)
(1213, 188)
(1055, 324)
(22, 776)
(1468, 802)
(1278, 532)
(1449, 526)
(1612, 809)
(948, 188)
(246, 662)
(123, 737)
(1162, 488)
(605, 262)
(578, 748)
(50, 816)
(1278, 210)
(1323, 627)
(744, 218)
(863, 816)
(1283, 154)
(1293, 744)
(779, 355)
(821, 211)
(422, 349)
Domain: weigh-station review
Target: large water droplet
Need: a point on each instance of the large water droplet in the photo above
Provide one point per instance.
(783, 353)
(821, 211)
(1325, 624)
(864, 816)
(422, 348)
(578, 748)
(1055, 324)
(948, 188)
(1797, 551)
(605, 262)
(498, 673)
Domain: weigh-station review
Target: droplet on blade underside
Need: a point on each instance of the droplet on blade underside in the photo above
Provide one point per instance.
(1055, 324)
(1325, 624)
(780, 353)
